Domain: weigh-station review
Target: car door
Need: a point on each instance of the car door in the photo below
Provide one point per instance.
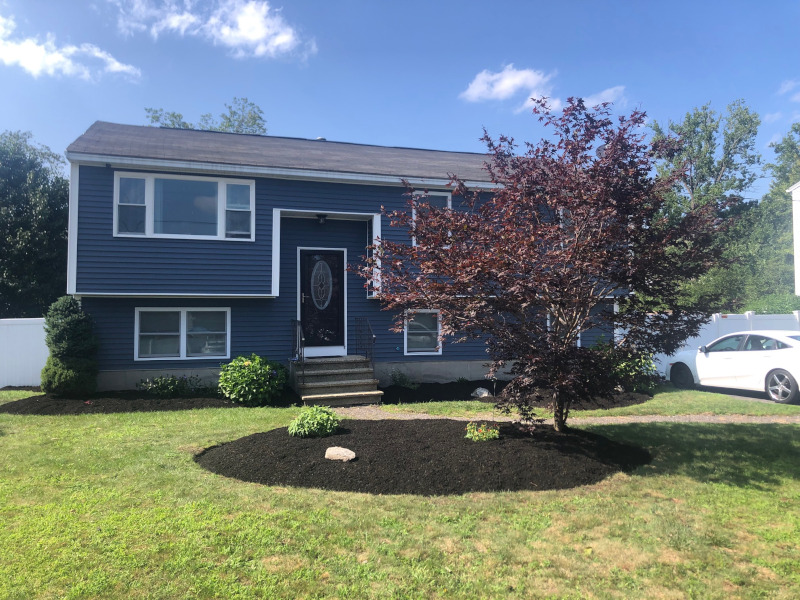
(721, 361)
(761, 353)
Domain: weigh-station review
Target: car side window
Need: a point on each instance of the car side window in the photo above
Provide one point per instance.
(728, 344)
(761, 342)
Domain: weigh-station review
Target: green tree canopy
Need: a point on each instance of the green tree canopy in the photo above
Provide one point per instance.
(242, 116)
(34, 208)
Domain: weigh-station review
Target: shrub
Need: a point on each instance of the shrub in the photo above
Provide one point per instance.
(71, 368)
(314, 421)
(483, 432)
(633, 371)
(774, 304)
(252, 381)
(170, 386)
(400, 379)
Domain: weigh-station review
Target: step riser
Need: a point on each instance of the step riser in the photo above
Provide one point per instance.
(347, 402)
(337, 388)
(323, 376)
(332, 365)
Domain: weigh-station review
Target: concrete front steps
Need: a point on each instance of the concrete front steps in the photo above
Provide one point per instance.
(337, 381)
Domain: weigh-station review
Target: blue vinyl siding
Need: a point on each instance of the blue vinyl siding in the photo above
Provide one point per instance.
(131, 265)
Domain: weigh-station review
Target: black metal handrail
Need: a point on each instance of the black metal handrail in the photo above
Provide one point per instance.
(298, 345)
(365, 339)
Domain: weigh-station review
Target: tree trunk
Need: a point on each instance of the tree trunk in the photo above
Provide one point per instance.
(559, 413)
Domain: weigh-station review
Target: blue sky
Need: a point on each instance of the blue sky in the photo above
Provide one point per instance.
(414, 73)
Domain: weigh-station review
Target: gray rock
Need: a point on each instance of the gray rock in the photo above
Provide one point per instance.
(480, 393)
(339, 453)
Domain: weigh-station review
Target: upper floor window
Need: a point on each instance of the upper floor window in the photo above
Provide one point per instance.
(178, 206)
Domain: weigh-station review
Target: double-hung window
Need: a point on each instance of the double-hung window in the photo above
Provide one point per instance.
(182, 333)
(177, 206)
(422, 332)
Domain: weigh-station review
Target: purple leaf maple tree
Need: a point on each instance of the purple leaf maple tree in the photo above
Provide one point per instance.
(572, 236)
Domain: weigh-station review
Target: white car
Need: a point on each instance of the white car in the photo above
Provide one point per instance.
(764, 360)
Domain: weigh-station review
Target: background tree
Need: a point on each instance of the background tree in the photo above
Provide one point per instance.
(718, 161)
(533, 266)
(34, 207)
(242, 116)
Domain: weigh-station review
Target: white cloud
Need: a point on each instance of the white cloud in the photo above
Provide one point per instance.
(85, 61)
(246, 27)
(509, 82)
(787, 86)
(614, 94)
(772, 117)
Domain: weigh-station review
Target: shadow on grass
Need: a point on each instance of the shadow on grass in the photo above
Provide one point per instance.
(744, 455)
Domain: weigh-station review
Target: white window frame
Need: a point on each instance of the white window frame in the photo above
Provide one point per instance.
(149, 203)
(182, 333)
(409, 315)
(424, 196)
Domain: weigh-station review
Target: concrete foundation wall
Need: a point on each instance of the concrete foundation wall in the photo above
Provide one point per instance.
(127, 380)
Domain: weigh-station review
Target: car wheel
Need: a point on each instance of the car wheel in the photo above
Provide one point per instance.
(681, 377)
(781, 387)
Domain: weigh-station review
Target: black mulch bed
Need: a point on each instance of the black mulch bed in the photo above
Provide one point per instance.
(462, 390)
(425, 457)
(120, 402)
(133, 401)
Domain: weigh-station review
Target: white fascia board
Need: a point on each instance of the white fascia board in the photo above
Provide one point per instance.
(276, 172)
(72, 230)
(794, 188)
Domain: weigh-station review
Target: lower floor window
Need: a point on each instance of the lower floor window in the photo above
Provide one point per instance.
(182, 333)
(422, 332)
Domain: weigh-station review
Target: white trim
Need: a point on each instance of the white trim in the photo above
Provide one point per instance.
(149, 206)
(166, 295)
(278, 213)
(428, 194)
(72, 229)
(182, 331)
(312, 351)
(274, 172)
(438, 351)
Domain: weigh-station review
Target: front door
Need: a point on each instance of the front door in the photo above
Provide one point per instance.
(322, 301)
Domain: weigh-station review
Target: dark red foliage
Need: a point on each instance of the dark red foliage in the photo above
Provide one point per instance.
(572, 222)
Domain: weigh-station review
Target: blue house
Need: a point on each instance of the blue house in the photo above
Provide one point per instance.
(189, 248)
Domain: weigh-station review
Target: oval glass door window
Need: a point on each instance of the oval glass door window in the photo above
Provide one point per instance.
(321, 285)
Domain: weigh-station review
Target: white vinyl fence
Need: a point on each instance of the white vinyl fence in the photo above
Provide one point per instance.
(720, 325)
(22, 351)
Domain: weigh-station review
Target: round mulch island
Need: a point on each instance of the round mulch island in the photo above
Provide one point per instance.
(426, 457)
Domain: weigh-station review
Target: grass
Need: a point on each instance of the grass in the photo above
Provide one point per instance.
(11, 395)
(113, 506)
(667, 401)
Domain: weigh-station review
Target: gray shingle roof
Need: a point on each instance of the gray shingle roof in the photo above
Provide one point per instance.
(141, 142)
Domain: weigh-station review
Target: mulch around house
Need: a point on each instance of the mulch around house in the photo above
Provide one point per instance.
(429, 457)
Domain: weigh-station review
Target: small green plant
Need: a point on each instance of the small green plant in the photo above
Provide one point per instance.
(314, 421)
(400, 379)
(252, 381)
(171, 386)
(482, 432)
(71, 367)
(462, 380)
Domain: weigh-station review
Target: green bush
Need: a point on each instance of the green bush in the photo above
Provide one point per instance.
(774, 304)
(170, 386)
(633, 371)
(314, 421)
(252, 381)
(71, 368)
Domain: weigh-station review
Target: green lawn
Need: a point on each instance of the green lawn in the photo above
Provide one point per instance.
(112, 506)
(666, 402)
